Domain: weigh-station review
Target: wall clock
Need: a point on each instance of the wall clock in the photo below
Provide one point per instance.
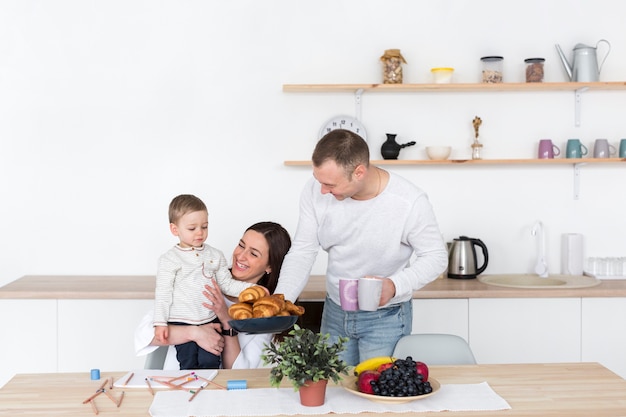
(344, 122)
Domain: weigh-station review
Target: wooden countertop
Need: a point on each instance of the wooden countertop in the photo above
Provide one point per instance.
(532, 390)
(142, 287)
(472, 288)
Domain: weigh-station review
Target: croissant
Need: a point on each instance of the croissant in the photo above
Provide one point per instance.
(292, 309)
(267, 306)
(240, 311)
(252, 294)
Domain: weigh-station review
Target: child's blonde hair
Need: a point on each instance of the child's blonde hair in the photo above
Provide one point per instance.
(183, 204)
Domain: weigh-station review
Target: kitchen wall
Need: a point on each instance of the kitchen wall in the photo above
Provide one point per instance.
(108, 109)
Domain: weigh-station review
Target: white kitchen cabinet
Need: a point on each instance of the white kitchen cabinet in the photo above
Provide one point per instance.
(603, 335)
(29, 337)
(99, 334)
(441, 316)
(525, 330)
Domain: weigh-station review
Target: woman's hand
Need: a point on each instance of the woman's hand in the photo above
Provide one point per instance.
(216, 301)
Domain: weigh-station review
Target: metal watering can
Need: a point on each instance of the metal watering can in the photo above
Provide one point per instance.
(584, 65)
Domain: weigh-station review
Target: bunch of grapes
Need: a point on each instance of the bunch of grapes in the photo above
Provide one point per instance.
(401, 380)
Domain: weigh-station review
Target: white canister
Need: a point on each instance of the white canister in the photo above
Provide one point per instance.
(572, 255)
(442, 75)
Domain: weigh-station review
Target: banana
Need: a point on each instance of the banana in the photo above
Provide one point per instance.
(372, 364)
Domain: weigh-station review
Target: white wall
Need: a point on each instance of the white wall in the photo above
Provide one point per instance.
(110, 108)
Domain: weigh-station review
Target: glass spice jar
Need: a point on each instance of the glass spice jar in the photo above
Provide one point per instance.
(392, 66)
(534, 70)
(492, 69)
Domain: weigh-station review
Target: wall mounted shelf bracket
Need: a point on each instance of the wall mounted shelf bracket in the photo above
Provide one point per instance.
(577, 179)
(357, 103)
(577, 103)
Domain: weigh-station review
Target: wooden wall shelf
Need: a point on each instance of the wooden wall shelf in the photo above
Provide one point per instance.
(456, 88)
(467, 162)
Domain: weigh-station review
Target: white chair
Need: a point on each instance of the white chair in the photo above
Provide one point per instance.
(156, 358)
(435, 349)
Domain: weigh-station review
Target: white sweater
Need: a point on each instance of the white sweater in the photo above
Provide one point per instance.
(393, 235)
(180, 280)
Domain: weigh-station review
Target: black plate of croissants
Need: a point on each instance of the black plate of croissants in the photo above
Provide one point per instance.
(257, 312)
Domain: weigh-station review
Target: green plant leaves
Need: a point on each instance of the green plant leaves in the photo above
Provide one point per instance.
(305, 356)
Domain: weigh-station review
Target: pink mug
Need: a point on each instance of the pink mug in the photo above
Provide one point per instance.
(349, 293)
(548, 150)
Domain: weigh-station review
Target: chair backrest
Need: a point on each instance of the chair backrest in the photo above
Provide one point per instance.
(435, 349)
(156, 358)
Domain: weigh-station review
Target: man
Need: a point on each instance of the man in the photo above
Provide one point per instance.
(371, 223)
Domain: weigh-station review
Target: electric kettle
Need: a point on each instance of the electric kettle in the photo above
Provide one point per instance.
(462, 258)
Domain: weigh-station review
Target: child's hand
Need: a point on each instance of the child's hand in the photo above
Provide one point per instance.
(161, 334)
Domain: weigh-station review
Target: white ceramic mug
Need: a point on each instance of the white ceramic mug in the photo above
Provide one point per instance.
(370, 289)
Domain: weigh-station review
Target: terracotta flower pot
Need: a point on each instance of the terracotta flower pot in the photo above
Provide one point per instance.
(313, 394)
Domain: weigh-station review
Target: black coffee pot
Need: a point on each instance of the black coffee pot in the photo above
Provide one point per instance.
(391, 148)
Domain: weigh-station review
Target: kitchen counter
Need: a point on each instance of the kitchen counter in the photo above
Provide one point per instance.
(142, 287)
(472, 288)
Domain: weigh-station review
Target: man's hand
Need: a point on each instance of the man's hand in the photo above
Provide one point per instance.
(388, 292)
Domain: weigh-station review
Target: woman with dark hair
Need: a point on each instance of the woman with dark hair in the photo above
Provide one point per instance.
(257, 259)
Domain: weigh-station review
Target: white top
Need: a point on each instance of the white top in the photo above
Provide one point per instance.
(180, 280)
(252, 346)
(393, 235)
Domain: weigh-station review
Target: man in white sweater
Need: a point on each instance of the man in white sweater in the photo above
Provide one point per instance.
(371, 223)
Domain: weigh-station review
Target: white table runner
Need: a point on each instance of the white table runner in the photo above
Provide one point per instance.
(273, 401)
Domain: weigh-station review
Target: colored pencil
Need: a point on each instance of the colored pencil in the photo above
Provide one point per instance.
(129, 378)
(197, 392)
(93, 407)
(119, 402)
(180, 377)
(149, 386)
(211, 382)
(108, 394)
(98, 392)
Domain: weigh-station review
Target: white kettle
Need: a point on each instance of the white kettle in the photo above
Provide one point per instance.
(584, 66)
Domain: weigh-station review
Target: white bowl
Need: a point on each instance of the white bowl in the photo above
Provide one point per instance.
(438, 152)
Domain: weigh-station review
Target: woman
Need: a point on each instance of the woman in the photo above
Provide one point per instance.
(257, 259)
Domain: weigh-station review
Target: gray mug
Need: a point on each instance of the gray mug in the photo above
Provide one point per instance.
(622, 148)
(575, 149)
(602, 149)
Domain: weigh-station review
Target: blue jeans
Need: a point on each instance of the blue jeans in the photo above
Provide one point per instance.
(370, 333)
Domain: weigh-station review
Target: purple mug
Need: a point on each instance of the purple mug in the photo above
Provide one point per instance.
(349, 294)
(548, 150)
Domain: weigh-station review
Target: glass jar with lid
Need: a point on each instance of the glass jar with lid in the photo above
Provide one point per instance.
(492, 69)
(534, 70)
(392, 66)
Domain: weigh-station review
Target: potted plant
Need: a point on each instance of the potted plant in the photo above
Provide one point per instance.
(307, 360)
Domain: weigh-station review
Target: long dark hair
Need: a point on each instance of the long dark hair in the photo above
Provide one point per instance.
(279, 242)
